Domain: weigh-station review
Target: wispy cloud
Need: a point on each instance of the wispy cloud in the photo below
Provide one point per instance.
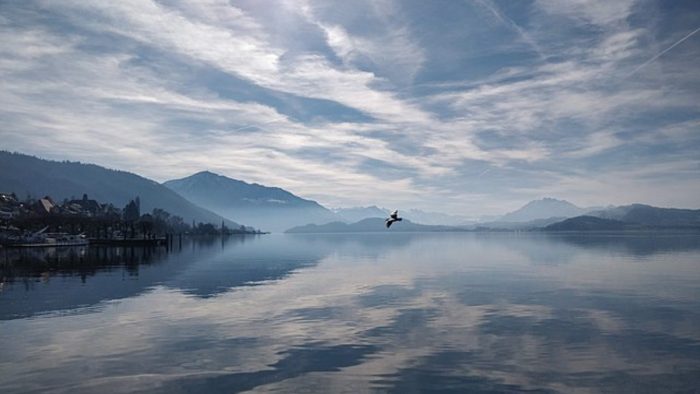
(391, 51)
(371, 104)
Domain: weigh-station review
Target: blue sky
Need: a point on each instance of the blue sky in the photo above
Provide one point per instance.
(472, 107)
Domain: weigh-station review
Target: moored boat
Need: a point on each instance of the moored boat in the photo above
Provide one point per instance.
(42, 239)
(58, 239)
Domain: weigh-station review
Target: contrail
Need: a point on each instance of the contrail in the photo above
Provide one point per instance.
(483, 172)
(664, 51)
(254, 125)
(514, 26)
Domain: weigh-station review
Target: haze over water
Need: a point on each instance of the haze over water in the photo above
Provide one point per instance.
(388, 312)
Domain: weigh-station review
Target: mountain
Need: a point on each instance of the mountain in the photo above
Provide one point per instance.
(652, 216)
(28, 175)
(588, 223)
(355, 214)
(543, 209)
(267, 208)
(366, 226)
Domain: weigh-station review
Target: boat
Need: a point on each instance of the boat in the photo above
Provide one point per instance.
(43, 239)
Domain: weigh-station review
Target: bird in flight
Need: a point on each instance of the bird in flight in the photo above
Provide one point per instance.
(394, 217)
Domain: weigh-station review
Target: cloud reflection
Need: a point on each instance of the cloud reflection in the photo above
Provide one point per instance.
(455, 312)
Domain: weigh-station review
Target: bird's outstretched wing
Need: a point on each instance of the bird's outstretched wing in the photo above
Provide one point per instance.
(388, 223)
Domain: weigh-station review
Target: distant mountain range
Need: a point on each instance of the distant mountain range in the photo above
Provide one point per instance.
(28, 175)
(536, 213)
(630, 217)
(268, 208)
(367, 225)
(356, 214)
(208, 197)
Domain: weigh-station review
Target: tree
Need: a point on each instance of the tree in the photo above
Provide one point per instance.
(132, 212)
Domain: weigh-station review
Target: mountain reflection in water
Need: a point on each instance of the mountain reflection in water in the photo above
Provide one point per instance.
(355, 313)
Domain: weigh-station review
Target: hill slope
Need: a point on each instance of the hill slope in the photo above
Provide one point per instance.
(28, 175)
(587, 223)
(632, 217)
(268, 208)
(652, 216)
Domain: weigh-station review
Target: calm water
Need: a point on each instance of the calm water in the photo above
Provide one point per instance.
(384, 312)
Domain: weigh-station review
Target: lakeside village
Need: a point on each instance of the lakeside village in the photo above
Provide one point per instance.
(43, 222)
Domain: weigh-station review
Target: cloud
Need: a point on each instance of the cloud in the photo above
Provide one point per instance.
(377, 101)
(244, 52)
(390, 50)
(410, 302)
(597, 12)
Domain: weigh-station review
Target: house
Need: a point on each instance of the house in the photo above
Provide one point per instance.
(6, 214)
(10, 207)
(45, 206)
(84, 206)
(8, 199)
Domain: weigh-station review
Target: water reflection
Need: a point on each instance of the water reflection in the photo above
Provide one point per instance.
(69, 278)
(358, 313)
(41, 280)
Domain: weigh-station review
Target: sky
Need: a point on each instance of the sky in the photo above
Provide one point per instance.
(468, 107)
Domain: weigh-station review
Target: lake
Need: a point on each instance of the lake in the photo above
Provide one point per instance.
(384, 312)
